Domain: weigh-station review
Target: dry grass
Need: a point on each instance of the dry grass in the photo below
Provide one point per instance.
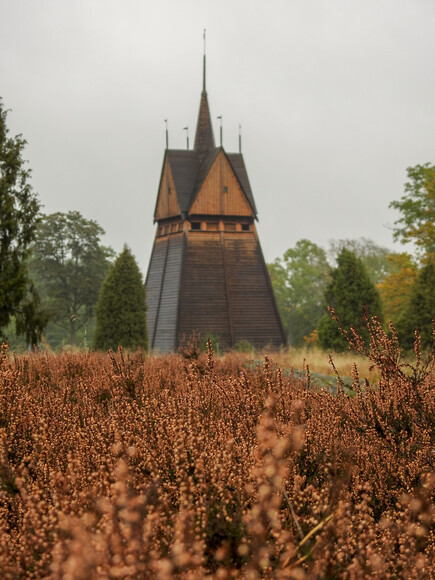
(131, 467)
(318, 362)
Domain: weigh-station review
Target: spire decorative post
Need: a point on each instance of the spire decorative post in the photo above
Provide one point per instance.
(187, 136)
(240, 138)
(220, 128)
(203, 65)
(167, 135)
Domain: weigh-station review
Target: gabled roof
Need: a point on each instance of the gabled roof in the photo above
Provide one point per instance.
(189, 174)
(237, 163)
(184, 166)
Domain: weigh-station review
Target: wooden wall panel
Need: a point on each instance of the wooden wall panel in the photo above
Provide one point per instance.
(221, 193)
(203, 300)
(254, 314)
(165, 334)
(225, 290)
(153, 284)
(167, 203)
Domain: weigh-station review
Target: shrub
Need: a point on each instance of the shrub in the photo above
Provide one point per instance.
(123, 466)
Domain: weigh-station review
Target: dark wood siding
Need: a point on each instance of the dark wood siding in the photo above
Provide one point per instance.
(226, 291)
(254, 314)
(164, 339)
(153, 284)
(163, 288)
(203, 300)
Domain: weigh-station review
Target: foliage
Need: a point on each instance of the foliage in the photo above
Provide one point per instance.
(419, 311)
(376, 259)
(353, 296)
(130, 467)
(19, 209)
(395, 289)
(31, 318)
(68, 266)
(121, 308)
(299, 280)
(417, 207)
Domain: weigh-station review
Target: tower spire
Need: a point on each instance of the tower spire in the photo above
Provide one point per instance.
(204, 138)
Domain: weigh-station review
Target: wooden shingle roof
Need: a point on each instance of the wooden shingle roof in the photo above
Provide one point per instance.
(189, 173)
(204, 138)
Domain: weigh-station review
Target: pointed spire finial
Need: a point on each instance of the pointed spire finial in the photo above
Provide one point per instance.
(167, 135)
(204, 139)
(203, 65)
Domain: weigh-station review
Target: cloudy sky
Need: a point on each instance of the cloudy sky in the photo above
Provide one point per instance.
(336, 98)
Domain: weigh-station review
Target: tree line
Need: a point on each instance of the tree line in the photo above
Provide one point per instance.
(360, 279)
(59, 282)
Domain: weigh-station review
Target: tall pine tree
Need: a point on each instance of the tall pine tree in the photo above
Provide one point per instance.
(19, 210)
(121, 308)
(353, 296)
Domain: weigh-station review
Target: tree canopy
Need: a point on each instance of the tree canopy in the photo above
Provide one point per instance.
(375, 258)
(419, 311)
(395, 289)
(68, 265)
(353, 296)
(417, 208)
(299, 280)
(19, 208)
(121, 308)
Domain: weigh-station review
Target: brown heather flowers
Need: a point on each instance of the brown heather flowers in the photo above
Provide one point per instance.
(121, 466)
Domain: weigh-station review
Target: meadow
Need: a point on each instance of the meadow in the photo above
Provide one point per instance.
(131, 466)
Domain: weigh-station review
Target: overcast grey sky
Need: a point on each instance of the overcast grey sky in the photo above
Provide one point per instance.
(336, 99)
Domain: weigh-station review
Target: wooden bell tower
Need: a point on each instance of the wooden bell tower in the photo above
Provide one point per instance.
(207, 273)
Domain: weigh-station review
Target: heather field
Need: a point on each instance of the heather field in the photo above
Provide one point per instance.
(127, 466)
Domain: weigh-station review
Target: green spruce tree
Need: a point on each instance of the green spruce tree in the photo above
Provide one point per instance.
(353, 296)
(121, 307)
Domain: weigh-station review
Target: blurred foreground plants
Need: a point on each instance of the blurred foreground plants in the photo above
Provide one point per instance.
(123, 466)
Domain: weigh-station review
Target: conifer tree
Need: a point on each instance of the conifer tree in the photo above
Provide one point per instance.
(19, 208)
(121, 308)
(353, 296)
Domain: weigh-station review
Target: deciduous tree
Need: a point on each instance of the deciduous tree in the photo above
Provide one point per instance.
(121, 309)
(375, 258)
(417, 208)
(69, 264)
(395, 289)
(299, 281)
(19, 210)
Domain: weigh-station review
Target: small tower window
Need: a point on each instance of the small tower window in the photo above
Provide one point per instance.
(225, 188)
(245, 227)
(196, 225)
